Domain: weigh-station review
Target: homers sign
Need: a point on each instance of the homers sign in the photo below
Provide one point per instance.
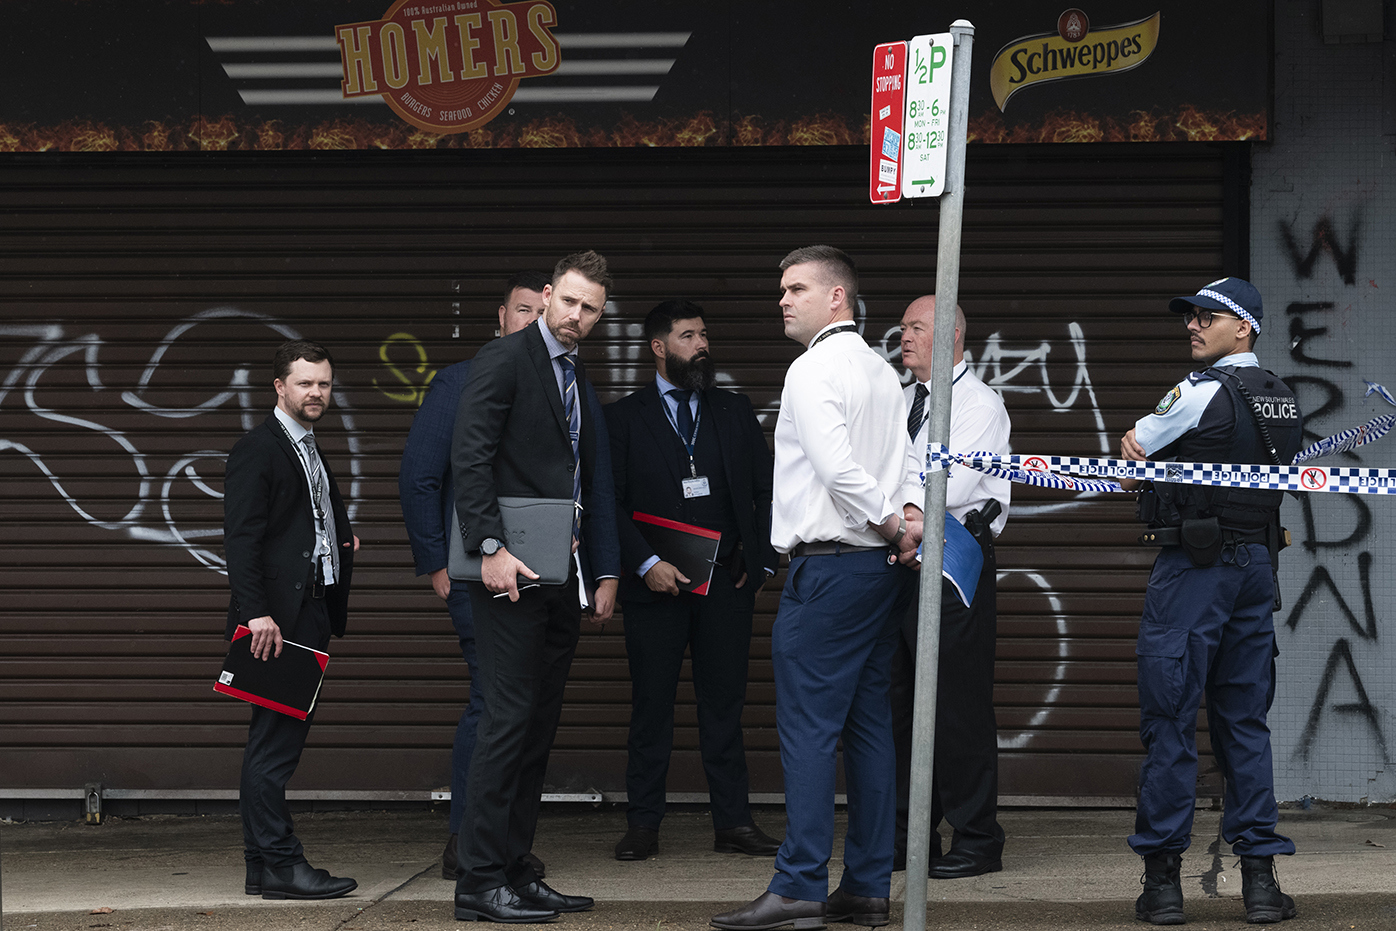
(450, 66)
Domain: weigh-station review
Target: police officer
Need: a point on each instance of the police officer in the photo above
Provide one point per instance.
(1208, 614)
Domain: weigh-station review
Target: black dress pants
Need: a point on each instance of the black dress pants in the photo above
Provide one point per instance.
(964, 781)
(274, 745)
(525, 651)
(716, 629)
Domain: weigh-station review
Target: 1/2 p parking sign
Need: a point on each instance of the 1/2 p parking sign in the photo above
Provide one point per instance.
(927, 114)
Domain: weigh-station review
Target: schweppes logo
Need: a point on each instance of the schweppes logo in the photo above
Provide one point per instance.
(1073, 51)
(451, 65)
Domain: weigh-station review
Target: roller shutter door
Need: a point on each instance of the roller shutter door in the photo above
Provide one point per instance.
(142, 299)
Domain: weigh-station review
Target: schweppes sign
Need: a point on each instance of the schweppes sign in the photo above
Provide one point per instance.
(1073, 51)
(450, 65)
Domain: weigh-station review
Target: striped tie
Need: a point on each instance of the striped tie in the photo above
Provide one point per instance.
(321, 506)
(574, 425)
(918, 411)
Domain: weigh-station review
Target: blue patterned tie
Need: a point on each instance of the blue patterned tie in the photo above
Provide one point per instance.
(574, 425)
(683, 412)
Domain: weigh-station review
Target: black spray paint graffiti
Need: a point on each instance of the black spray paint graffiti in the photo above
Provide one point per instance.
(1323, 240)
(151, 517)
(1341, 652)
(1309, 331)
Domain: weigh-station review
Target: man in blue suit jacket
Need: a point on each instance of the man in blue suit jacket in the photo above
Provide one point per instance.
(428, 508)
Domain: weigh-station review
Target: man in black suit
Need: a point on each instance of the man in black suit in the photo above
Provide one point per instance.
(522, 431)
(290, 556)
(689, 452)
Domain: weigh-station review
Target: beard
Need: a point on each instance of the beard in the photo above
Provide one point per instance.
(695, 374)
(310, 415)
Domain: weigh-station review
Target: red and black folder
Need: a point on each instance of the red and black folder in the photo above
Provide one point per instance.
(692, 550)
(288, 683)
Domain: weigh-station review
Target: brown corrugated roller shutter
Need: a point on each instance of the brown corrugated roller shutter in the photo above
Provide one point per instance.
(142, 300)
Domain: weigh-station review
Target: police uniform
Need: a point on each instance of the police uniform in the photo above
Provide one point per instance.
(1210, 626)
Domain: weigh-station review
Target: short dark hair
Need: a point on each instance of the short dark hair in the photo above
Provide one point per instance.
(835, 264)
(529, 281)
(291, 350)
(591, 265)
(659, 322)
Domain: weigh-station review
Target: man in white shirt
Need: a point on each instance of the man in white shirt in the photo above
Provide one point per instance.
(964, 788)
(841, 483)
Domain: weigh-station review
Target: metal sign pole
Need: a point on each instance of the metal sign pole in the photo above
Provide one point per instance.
(932, 551)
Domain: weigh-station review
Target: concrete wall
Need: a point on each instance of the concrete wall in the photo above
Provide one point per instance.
(1323, 253)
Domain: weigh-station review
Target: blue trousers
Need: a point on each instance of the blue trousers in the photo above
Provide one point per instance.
(458, 603)
(1208, 630)
(832, 646)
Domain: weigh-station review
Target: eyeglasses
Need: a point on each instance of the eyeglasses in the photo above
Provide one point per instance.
(1204, 316)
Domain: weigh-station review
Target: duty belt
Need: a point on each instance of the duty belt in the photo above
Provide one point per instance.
(1173, 536)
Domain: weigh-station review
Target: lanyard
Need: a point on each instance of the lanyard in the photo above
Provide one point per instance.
(688, 442)
(927, 414)
(314, 480)
(827, 333)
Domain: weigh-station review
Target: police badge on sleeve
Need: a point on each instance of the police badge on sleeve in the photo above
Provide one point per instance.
(1168, 401)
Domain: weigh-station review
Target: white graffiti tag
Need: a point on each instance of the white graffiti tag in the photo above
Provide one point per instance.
(151, 516)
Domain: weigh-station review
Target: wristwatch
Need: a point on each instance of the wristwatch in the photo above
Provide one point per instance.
(489, 546)
(901, 530)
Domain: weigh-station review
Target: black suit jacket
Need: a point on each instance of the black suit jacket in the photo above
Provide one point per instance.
(269, 532)
(649, 473)
(511, 440)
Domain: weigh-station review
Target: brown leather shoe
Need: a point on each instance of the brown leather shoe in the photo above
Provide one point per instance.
(747, 839)
(770, 911)
(858, 909)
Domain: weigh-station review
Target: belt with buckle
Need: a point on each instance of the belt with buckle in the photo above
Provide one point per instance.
(831, 548)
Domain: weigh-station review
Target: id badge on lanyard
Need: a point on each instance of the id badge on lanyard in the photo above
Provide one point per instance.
(695, 486)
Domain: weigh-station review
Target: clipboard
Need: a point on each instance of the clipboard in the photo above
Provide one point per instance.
(289, 683)
(692, 550)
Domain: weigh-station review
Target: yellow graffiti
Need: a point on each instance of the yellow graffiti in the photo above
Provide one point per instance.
(416, 388)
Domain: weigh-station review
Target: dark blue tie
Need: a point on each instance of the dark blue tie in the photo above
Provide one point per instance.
(918, 410)
(574, 423)
(684, 414)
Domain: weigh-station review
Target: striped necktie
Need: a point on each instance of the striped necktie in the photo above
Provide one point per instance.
(574, 425)
(918, 411)
(321, 505)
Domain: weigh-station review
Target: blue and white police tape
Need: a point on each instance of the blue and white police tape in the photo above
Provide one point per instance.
(1080, 473)
(1353, 437)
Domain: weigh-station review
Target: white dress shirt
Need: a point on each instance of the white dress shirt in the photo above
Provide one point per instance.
(555, 351)
(840, 458)
(978, 424)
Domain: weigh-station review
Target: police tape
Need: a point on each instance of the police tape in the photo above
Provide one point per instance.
(1046, 472)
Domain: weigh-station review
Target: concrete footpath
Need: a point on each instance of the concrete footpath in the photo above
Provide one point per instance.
(1063, 869)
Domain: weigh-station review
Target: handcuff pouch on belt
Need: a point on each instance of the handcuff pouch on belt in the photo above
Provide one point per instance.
(1201, 539)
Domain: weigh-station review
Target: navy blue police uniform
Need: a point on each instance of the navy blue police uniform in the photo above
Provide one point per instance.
(1208, 624)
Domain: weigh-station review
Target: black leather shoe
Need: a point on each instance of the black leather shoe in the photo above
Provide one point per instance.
(500, 904)
(637, 844)
(858, 909)
(747, 839)
(303, 881)
(962, 865)
(253, 884)
(544, 896)
(450, 862)
(536, 863)
(772, 911)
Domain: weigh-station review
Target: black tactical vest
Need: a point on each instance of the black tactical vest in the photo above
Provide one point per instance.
(1230, 433)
